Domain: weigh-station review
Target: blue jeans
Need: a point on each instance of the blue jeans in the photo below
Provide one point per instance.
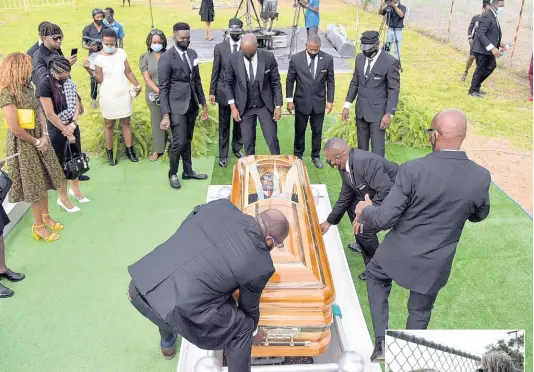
(391, 41)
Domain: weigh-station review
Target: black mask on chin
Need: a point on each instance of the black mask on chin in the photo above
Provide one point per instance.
(99, 21)
(183, 45)
(235, 37)
(371, 52)
(313, 55)
(249, 56)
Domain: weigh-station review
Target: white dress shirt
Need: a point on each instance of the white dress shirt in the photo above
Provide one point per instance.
(373, 61)
(347, 169)
(254, 61)
(308, 59)
(181, 53)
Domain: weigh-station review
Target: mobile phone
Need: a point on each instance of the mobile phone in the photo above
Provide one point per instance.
(74, 52)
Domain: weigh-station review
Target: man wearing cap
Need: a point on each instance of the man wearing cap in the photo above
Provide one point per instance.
(313, 72)
(376, 82)
(254, 92)
(221, 56)
(91, 40)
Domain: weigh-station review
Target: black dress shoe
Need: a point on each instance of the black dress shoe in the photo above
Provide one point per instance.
(379, 353)
(83, 177)
(131, 154)
(362, 277)
(5, 292)
(12, 276)
(168, 352)
(355, 247)
(223, 162)
(194, 176)
(238, 154)
(111, 159)
(174, 182)
(317, 162)
(482, 92)
(476, 94)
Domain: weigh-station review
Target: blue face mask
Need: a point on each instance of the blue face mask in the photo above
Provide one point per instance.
(500, 10)
(156, 47)
(109, 50)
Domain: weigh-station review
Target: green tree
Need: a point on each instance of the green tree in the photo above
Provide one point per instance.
(514, 348)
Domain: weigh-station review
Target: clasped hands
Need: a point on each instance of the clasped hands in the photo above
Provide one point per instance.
(357, 226)
(69, 132)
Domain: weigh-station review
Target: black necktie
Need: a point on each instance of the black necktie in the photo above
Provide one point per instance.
(187, 67)
(250, 71)
(368, 70)
(235, 48)
(311, 66)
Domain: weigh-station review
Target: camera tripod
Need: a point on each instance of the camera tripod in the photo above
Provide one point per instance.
(248, 16)
(295, 29)
(384, 28)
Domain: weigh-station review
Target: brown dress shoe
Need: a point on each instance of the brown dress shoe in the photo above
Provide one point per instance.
(168, 352)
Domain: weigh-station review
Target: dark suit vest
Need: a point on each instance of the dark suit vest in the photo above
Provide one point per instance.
(254, 99)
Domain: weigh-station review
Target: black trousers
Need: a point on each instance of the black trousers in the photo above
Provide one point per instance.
(378, 289)
(316, 124)
(238, 350)
(486, 64)
(371, 131)
(182, 128)
(140, 304)
(368, 240)
(269, 127)
(225, 114)
(94, 89)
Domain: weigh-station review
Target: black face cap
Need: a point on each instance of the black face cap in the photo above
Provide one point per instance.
(97, 11)
(235, 25)
(369, 39)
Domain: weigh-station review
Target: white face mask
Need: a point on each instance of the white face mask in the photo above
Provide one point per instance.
(156, 47)
(500, 10)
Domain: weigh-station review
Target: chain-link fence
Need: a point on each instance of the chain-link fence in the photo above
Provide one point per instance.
(448, 20)
(407, 353)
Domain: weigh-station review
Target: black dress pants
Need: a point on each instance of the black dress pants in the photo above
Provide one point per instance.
(225, 114)
(378, 289)
(182, 128)
(239, 349)
(368, 240)
(316, 124)
(371, 131)
(94, 89)
(269, 127)
(486, 64)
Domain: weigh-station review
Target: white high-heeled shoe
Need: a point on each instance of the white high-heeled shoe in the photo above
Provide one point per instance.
(72, 210)
(83, 201)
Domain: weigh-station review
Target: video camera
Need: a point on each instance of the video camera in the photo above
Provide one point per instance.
(94, 42)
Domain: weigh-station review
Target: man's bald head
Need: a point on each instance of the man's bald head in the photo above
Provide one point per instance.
(314, 40)
(313, 45)
(249, 45)
(275, 227)
(336, 152)
(451, 128)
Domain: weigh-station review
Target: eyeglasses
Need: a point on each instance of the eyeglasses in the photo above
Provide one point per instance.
(278, 243)
(329, 161)
(431, 130)
(268, 177)
(156, 32)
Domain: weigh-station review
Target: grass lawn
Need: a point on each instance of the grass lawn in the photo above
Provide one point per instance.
(71, 314)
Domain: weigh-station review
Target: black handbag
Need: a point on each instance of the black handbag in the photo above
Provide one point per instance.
(75, 162)
(5, 185)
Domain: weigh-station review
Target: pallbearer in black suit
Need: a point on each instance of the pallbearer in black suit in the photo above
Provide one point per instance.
(254, 92)
(221, 56)
(362, 172)
(376, 82)
(313, 72)
(185, 285)
(426, 210)
(180, 94)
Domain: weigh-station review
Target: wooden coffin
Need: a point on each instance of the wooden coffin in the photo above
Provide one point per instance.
(296, 305)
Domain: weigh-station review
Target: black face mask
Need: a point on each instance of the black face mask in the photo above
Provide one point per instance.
(99, 21)
(370, 53)
(235, 37)
(183, 45)
(249, 56)
(313, 55)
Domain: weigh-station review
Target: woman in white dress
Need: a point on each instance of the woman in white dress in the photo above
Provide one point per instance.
(113, 73)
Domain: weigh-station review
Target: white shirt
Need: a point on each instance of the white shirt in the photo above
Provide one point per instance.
(40, 42)
(308, 58)
(347, 169)
(182, 57)
(232, 43)
(254, 61)
(373, 61)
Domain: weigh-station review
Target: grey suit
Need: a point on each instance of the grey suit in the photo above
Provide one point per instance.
(369, 174)
(426, 210)
(188, 281)
(378, 94)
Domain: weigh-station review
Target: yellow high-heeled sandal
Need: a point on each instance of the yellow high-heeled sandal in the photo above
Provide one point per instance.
(57, 227)
(52, 238)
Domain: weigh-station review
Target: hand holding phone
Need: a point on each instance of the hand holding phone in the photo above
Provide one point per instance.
(74, 52)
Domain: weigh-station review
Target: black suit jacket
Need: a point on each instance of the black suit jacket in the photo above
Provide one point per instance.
(221, 58)
(488, 32)
(372, 175)
(189, 280)
(311, 93)
(33, 49)
(268, 76)
(41, 60)
(379, 94)
(175, 86)
(426, 209)
(473, 25)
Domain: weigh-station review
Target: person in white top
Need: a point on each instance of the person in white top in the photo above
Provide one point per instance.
(113, 73)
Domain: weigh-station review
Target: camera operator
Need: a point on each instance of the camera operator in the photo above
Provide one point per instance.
(91, 40)
(394, 12)
(312, 15)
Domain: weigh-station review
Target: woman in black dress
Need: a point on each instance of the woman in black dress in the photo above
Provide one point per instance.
(207, 14)
(60, 101)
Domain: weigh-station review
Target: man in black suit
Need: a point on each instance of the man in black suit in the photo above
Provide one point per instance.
(254, 92)
(471, 32)
(362, 172)
(376, 82)
(488, 41)
(313, 71)
(221, 56)
(426, 210)
(180, 94)
(185, 285)
(268, 181)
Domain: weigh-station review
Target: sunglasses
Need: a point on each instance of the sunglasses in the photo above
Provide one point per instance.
(156, 32)
(278, 243)
(56, 37)
(268, 177)
(431, 130)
